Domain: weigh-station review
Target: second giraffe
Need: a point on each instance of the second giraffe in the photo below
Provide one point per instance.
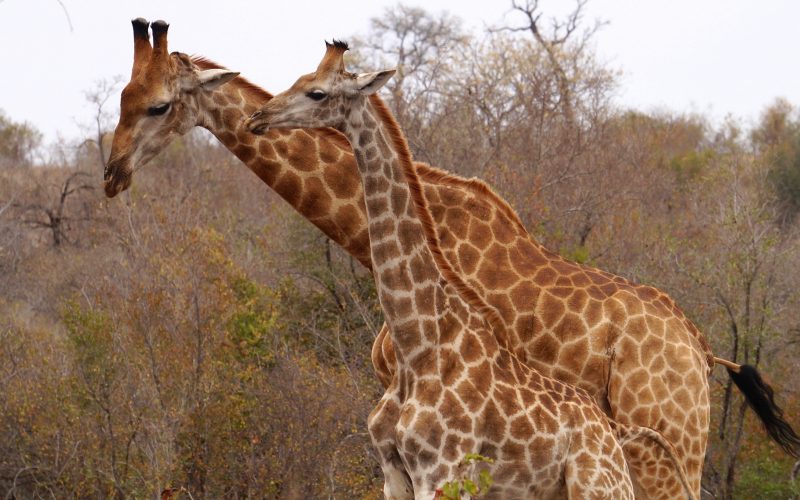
(457, 390)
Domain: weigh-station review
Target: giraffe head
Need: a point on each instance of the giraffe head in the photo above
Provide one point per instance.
(319, 99)
(155, 105)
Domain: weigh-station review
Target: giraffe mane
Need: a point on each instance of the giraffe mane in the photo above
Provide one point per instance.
(432, 238)
(205, 63)
(436, 175)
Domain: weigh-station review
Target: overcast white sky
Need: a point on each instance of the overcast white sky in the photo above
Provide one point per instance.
(712, 56)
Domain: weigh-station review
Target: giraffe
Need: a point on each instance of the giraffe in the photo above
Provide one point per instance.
(456, 389)
(628, 345)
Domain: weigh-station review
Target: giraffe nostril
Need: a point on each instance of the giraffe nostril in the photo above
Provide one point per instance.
(256, 115)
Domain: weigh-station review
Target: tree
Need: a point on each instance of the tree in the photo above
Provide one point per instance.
(777, 139)
(55, 215)
(561, 33)
(735, 275)
(18, 143)
(422, 47)
(98, 97)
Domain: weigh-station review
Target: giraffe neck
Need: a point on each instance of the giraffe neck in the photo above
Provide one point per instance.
(404, 246)
(312, 170)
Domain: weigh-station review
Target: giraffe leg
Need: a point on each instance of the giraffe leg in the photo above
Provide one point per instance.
(420, 439)
(600, 475)
(396, 483)
(670, 397)
(383, 361)
(381, 424)
(664, 458)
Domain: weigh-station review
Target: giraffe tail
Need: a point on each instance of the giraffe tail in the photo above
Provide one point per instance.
(628, 433)
(760, 397)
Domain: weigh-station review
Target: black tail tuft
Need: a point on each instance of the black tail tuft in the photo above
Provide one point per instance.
(759, 396)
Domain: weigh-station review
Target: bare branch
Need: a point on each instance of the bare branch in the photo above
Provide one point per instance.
(561, 33)
(66, 14)
(98, 97)
(10, 202)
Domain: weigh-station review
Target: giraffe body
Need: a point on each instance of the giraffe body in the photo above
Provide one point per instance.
(457, 389)
(629, 346)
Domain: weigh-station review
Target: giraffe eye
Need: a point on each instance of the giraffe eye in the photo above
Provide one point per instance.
(317, 95)
(158, 110)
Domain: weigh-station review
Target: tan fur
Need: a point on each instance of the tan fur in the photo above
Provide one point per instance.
(465, 291)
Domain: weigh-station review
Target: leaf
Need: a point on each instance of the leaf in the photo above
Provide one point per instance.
(470, 487)
(485, 480)
(476, 457)
(452, 490)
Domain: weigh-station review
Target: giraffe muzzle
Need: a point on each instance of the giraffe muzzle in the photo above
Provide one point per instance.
(116, 177)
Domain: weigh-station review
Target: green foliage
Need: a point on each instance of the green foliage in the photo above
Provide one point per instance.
(784, 174)
(766, 478)
(777, 139)
(18, 142)
(90, 335)
(327, 302)
(578, 253)
(472, 458)
(691, 164)
(453, 490)
(254, 321)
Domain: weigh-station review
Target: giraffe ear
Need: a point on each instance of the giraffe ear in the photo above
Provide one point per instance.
(369, 83)
(210, 79)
